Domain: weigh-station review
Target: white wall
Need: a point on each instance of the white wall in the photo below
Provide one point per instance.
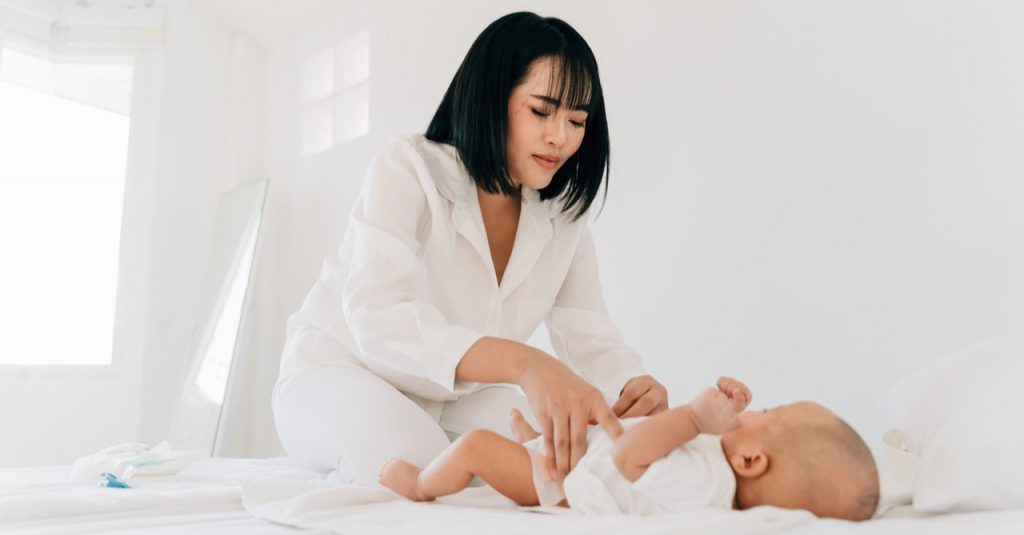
(815, 197)
(827, 195)
(210, 116)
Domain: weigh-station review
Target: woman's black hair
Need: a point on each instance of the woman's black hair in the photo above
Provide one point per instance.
(473, 116)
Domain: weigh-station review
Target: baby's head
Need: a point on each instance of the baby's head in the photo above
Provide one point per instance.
(802, 456)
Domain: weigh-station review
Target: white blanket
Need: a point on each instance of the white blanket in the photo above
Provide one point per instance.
(482, 510)
(476, 510)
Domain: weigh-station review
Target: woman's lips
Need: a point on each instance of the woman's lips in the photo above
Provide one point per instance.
(546, 164)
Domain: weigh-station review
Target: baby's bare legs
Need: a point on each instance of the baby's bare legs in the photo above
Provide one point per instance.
(502, 463)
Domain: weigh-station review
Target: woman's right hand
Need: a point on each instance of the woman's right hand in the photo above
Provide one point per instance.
(564, 404)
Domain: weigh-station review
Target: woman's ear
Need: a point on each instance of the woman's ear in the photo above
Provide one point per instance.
(749, 464)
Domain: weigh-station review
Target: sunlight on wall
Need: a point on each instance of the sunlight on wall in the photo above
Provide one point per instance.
(336, 95)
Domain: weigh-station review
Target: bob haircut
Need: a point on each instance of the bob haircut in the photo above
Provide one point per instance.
(473, 116)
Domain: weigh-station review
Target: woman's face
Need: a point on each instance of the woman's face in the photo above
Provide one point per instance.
(542, 134)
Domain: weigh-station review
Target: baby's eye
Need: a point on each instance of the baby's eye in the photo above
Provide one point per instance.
(764, 411)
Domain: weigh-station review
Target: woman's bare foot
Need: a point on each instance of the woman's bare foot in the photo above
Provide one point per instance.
(521, 428)
(400, 477)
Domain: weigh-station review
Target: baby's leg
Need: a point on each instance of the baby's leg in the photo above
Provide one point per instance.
(502, 463)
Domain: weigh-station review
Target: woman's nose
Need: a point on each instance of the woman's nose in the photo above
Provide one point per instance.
(555, 133)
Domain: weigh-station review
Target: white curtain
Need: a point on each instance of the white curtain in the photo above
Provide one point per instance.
(79, 53)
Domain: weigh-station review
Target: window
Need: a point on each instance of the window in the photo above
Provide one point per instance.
(336, 95)
(64, 140)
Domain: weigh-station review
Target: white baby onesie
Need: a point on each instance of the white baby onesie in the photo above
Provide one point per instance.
(693, 476)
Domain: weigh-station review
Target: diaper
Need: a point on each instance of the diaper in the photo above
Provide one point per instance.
(549, 491)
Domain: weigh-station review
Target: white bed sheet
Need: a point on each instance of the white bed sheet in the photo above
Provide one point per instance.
(482, 510)
(273, 497)
(203, 498)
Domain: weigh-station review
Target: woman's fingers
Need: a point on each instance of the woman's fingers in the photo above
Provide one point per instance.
(561, 438)
(630, 393)
(564, 404)
(642, 407)
(578, 432)
(625, 404)
(634, 390)
(606, 419)
(549, 437)
(642, 396)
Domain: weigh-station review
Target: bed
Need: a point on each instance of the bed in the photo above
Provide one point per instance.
(272, 496)
(953, 451)
(203, 498)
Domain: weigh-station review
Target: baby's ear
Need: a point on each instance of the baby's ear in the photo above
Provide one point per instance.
(749, 464)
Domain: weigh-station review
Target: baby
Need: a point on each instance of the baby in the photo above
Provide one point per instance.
(709, 453)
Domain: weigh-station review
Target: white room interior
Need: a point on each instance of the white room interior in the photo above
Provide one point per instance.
(819, 198)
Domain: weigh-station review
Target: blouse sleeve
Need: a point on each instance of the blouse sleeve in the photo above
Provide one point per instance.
(581, 331)
(399, 337)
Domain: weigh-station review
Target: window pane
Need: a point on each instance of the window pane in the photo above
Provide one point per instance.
(352, 114)
(61, 192)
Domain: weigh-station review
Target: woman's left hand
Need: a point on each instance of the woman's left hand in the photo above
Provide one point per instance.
(642, 396)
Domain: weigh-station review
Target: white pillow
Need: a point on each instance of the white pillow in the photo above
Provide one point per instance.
(963, 416)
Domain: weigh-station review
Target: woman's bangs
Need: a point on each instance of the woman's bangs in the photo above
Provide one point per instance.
(571, 83)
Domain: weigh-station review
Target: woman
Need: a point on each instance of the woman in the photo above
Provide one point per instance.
(461, 242)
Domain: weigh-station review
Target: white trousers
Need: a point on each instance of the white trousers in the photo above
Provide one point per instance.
(346, 420)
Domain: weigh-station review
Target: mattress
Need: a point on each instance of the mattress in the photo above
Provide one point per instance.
(203, 498)
(272, 496)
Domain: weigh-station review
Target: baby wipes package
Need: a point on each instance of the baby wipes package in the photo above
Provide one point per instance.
(113, 465)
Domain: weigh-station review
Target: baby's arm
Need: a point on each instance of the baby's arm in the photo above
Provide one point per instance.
(502, 463)
(653, 439)
(714, 412)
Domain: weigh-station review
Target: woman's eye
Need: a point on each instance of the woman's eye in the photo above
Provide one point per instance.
(539, 113)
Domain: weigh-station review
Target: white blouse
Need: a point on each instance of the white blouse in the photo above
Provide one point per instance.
(413, 286)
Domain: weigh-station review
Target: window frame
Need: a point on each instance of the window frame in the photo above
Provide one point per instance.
(136, 233)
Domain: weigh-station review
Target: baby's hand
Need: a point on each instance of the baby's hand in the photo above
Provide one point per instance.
(714, 412)
(737, 392)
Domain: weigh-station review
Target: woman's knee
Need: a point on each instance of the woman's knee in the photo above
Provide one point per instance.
(349, 419)
(488, 408)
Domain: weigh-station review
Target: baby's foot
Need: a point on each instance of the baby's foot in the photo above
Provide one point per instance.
(521, 428)
(400, 477)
